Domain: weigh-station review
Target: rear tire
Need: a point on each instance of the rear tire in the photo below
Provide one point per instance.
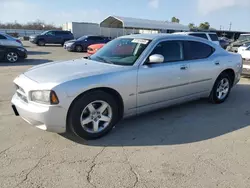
(221, 89)
(12, 57)
(88, 120)
(41, 43)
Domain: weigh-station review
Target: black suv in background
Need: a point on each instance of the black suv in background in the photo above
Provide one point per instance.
(51, 37)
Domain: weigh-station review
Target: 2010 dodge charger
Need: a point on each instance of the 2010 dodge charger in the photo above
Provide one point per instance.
(91, 95)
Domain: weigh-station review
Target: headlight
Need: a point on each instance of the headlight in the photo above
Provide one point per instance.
(45, 97)
(21, 49)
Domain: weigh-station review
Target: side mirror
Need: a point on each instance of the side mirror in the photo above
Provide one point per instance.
(156, 58)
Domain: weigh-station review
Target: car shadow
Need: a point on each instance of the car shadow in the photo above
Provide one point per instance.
(187, 123)
(38, 53)
(26, 62)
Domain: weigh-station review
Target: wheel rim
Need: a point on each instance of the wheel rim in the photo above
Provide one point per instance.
(41, 43)
(12, 57)
(96, 116)
(222, 89)
(78, 48)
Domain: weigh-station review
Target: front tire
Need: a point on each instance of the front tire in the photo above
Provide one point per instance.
(221, 89)
(93, 115)
(12, 57)
(41, 43)
(78, 48)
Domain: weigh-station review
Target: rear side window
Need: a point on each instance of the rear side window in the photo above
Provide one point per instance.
(2, 37)
(201, 35)
(170, 50)
(214, 37)
(96, 38)
(197, 50)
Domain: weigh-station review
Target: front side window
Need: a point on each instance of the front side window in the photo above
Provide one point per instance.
(197, 50)
(52, 33)
(170, 50)
(201, 35)
(121, 51)
(214, 37)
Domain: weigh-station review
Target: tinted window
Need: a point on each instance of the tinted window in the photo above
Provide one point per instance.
(50, 33)
(213, 37)
(201, 35)
(2, 37)
(171, 50)
(95, 38)
(197, 50)
(62, 32)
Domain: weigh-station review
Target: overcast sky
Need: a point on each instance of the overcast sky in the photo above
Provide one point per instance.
(216, 12)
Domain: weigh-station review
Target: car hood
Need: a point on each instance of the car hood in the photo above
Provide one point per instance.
(58, 72)
(70, 41)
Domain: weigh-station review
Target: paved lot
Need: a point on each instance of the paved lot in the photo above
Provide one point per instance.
(192, 145)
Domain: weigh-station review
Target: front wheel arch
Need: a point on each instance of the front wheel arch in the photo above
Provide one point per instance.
(108, 90)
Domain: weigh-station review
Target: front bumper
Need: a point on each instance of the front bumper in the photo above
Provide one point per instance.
(45, 117)
(246, 68)
(69, 47)
(33, 40)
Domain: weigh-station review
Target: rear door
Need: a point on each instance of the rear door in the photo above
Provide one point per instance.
(2, 52)
(3, 40)
(59, 37)
(204, 66)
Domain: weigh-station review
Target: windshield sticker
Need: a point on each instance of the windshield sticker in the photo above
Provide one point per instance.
(140, 41)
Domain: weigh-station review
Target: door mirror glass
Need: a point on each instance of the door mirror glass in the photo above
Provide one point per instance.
(156, 58)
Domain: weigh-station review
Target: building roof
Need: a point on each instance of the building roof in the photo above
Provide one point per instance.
(126, 22)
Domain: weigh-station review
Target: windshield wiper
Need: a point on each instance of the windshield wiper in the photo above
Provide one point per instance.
(104, 60)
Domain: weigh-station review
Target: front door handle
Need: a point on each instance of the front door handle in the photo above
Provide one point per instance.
(184, 67)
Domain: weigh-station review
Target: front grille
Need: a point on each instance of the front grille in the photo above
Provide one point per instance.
(21, 94)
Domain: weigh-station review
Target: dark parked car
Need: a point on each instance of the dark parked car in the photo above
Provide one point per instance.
(52, 37)
(82, 43)
(12, 53)
(224, 43)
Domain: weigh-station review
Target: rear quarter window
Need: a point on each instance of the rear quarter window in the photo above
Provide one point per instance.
(214, 37)
(2, 37)
(197, 50)
(201, 35)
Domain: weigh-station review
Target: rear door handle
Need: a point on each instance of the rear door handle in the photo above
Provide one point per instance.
(217, 63)
(184, 67)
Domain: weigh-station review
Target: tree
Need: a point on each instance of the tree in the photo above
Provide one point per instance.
(191, 26)
(204, 26)
(175, 20)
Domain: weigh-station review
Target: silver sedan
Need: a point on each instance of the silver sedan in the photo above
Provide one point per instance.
(128, 76)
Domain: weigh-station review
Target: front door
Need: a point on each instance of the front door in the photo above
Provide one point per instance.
(163, 83)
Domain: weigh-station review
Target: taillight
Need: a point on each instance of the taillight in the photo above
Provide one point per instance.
(19, 41)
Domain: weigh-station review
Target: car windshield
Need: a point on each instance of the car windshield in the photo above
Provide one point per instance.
(244, 37)
(82, 38)
(43, 33)
(121, 51)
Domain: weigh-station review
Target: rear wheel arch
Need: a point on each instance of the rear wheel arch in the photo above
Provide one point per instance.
(230, 72)
(108, 90)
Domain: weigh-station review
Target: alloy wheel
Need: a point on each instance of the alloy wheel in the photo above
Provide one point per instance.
(96, 116)
(12, 57)
(223, 89)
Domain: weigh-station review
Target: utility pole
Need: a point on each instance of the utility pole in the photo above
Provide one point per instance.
(230, 26)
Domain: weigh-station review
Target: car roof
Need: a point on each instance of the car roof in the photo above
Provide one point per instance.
(187, 33)
(161, 36)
